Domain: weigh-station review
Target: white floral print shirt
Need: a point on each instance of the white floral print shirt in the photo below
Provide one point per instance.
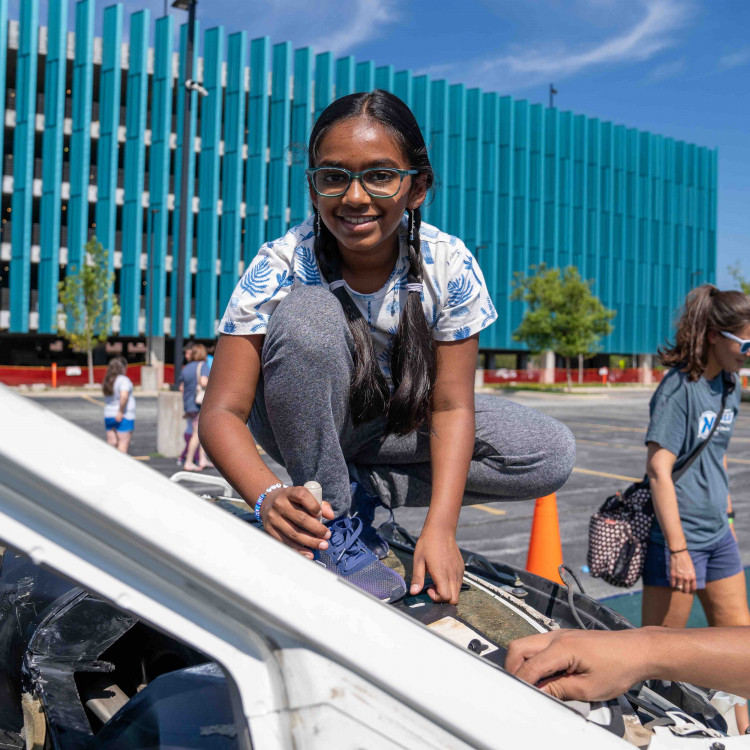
(455, 299)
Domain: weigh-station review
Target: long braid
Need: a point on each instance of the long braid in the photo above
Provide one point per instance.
(368, 396)
(413, 362)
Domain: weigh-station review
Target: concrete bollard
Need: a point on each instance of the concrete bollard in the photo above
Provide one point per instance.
(149, 379)
(170, 424)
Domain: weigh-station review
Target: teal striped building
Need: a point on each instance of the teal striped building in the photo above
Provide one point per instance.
(93, 144)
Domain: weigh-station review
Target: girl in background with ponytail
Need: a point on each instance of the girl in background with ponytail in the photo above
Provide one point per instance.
(693, 547)
(349, 349)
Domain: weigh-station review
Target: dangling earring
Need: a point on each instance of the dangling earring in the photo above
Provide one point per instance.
(317, 223)
(411, 226)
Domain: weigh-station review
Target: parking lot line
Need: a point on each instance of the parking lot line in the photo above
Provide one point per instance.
(606, 475)
(597, 426)
(487, 509)
(91, 399)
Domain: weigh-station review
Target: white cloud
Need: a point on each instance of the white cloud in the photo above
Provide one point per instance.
(734, 59)
(522, 67)
(366, 21)
(667, 69)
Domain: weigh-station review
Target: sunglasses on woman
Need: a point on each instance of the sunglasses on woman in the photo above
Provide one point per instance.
(744, 343)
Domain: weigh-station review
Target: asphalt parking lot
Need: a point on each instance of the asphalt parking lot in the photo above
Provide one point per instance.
(609, 430)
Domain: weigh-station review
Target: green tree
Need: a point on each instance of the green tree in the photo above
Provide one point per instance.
(562, 313)
(86, 296)
(735, 272)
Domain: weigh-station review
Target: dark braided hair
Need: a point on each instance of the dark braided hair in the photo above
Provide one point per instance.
(413, 363)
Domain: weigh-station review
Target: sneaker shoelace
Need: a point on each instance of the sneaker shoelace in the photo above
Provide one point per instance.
(345, 541)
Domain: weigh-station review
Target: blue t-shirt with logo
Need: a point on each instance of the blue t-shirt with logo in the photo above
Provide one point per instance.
(682, 415)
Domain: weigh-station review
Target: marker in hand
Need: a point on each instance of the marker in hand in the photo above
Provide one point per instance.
(316, 491)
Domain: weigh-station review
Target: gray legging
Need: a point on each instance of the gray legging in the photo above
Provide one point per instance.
(301, 418)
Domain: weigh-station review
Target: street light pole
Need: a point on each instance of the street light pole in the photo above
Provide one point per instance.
(150, 290)
(187, 147)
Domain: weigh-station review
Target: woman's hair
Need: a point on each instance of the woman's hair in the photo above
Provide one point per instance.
(413, 365)
(198, 352)
(706, 309)
(117, 366)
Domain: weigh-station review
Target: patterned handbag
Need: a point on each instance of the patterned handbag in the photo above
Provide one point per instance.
(619, 530)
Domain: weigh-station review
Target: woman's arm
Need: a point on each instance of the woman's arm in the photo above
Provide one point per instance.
(599, 665)
(451, 448)
(124, 396)
(660, 463)
(230, 445)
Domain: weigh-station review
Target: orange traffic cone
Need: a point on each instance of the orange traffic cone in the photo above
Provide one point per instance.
(545, 548)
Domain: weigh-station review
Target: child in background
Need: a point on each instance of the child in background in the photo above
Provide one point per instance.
(119, 404)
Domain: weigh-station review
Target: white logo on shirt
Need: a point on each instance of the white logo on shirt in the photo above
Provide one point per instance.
(706, 422)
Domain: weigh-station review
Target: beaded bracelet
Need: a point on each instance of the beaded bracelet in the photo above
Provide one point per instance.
(263, 497)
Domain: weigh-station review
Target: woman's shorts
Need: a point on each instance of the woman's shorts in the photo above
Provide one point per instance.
(722, 560)
(126, 425)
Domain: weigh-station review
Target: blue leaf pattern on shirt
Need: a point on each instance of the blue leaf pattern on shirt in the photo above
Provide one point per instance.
(307, 268)
(462, 333)
(384, 358)
(488, 311)
(459, 291)
(427, 253)
(229, 326)
(457, 312)
(282, 279)
(469, 266)
(306, 237)
(256, 277)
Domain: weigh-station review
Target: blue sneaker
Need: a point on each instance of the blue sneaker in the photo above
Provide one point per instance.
(363, 507)
(349, 558)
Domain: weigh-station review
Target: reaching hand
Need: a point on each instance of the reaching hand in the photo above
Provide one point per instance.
(290, 514)
(592, 665)
(437, 553)
(682, 572)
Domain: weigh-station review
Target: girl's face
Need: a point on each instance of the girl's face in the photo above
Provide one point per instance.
(726, 351)
(356, 144)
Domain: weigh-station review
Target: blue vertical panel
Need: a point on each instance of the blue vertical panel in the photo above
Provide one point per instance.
(109, 122)
(536, 184)
(80, 141)
(3, 63)
(678, 257)
(208, 191)
(52, 151)
(181, 138)
(668, 288)
(323, 82)
(565, 188)
(473, 170)
(606, 197)
(384, 77)
(593, 175)
(437, 142)
(344, 76)
(580, 157)
(713, 177)
(421, 101)
(23, 167)
(488, 255)
(655, 242)
(365, 76)
(403, 85)
(299, 195)
(231, 171)
(257, 146)
(280, 119)
(643, 245)
(703, 211)
(158, 189)
(456, 159)
(135, 167)
(506, 160)
(631, 260)
(618, 259)
(551, 231)
(520, 258)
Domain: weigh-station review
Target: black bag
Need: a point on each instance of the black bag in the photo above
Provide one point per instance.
(619, 530)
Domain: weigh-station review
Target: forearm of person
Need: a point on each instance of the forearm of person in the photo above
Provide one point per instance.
(715, 657)
(729, 497)
(451, 449)
(124, 396)
(659, 469)
(231, 447)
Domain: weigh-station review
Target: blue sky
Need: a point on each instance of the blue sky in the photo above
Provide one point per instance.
(677, 67)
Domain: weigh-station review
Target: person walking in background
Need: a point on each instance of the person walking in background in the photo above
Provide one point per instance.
(189, 422)
(693, 546)
(119, 404)
(193, 379)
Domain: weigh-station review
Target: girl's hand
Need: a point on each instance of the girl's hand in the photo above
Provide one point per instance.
(437, 553)
(119, 416)
(682, 573)
(290, 514)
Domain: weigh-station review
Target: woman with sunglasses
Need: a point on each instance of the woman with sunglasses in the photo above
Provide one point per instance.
(350, 345)
(693, 546)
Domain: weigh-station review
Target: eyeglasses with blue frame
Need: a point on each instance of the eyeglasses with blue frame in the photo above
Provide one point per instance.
(744, 343)
(378, 182)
